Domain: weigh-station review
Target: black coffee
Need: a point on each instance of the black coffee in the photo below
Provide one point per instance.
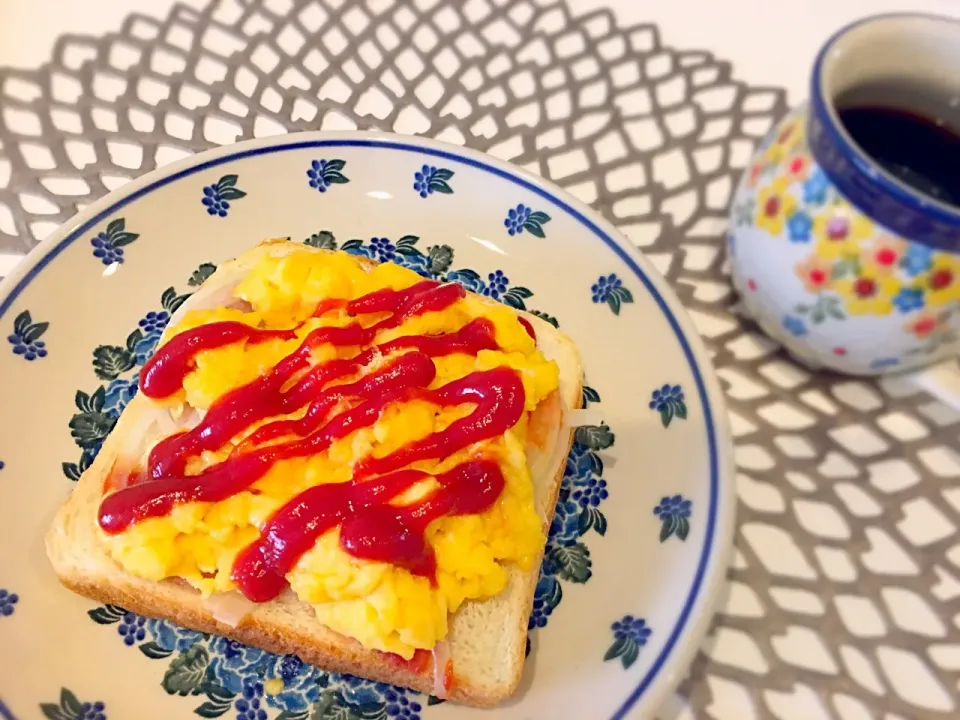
(921, 151)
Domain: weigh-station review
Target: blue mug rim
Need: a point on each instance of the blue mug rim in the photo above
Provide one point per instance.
(909, 212)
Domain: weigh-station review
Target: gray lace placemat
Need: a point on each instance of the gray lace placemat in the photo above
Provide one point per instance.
(844, 598)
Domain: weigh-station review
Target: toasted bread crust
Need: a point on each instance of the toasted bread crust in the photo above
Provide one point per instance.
(345, 656)
(283, 626)
(340, 654)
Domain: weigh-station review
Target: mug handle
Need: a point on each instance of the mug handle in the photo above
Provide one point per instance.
(942, 381)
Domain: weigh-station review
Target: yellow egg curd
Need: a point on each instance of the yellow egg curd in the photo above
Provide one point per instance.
(383, 606)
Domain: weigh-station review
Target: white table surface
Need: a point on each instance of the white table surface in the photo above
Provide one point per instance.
(767, 43)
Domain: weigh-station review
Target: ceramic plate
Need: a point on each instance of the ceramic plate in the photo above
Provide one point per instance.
(640, 543)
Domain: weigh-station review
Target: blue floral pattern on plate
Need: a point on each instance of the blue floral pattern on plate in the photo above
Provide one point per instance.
(566, 556)
(232, 675)
(669, 402)
(26, 337)
(430, 179)
(70, 708)
(132, 628)
(383, 250)
(248, 708)
(108, 245)
(323, 239)
(523, 218)
(217, 197)
(8, 602)
(674, 515)
(98, 410)
(323, 173)
(629, 635)
(609, 289)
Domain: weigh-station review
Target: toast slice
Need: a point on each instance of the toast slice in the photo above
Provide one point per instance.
(487, 638)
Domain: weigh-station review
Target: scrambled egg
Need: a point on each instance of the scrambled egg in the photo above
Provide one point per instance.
(384, 607)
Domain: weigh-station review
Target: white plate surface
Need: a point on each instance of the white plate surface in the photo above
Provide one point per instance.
(640, 545)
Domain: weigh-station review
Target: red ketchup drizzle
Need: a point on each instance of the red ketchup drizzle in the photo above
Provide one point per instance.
(370, 527)
(448, 678)
(162, 375)
(528, 327)
(262, 398)
(418, 664)
(476, 336)
(157, 498)
(328, 305)
(499, 399)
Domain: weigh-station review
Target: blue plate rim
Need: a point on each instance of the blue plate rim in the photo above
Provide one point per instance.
(718, 543)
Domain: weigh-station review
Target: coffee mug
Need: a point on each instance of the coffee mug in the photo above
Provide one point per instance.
(844, 238)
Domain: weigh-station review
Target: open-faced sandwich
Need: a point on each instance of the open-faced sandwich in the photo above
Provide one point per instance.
(338, 459)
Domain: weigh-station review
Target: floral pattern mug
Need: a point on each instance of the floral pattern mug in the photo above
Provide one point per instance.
(833, 257)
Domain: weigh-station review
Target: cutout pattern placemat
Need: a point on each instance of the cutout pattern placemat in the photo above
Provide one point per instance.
(844, 595)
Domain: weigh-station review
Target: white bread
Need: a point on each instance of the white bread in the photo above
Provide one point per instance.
(487, 638)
